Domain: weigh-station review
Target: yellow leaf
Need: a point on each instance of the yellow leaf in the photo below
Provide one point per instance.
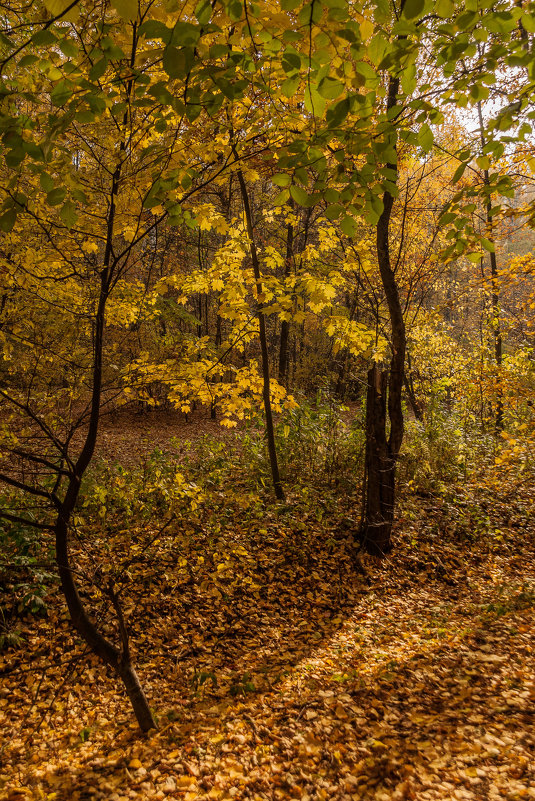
(366, 29)
(135, 764)
(56, 8)
(89, 247)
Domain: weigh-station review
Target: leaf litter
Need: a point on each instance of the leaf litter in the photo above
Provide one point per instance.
(277, 672)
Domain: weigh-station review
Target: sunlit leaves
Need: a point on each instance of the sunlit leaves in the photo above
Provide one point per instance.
(67, 10)
(127, 9)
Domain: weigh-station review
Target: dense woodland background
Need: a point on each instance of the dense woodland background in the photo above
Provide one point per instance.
(267, 379)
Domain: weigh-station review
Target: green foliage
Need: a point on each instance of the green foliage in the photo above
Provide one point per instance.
(26, 575)
(441, 450)
(320, 444)
(117, 494)
(511, 598)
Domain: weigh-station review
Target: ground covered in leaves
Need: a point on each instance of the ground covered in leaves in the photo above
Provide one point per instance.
(276, 670)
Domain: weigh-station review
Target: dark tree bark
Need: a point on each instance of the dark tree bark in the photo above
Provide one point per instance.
(384, 392)
(118, 659)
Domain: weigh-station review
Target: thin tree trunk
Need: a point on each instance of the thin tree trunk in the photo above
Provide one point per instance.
(411, 395)
(495, 291)
(118, 660)
(285, 324)
(270, 433)
(498, 342)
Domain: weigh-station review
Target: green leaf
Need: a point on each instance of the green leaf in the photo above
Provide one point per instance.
(127, 9)
(488, 245)
(377, 48)
(8, 220)
(68, 213)
(68, 48)
(185, 33)
(96, 102)
(458, 174)
(348, 226)
(425, 138)
(98, 69)
(219, 51)
(47, 183)
(445, 8)
(300, 196)
(80, 196)
(15, 157)
(528, 22)
(474, 257)
(203, 11)
(333, 211)
(289, 86)
(447, 218)
(44, 38)
(6, 41)
(408, 79)
(56, 196)
(336, 114)
(282, 198)
(61, 92)
(413, 8)
(367, 72)
(177, 62)
(28, 60)
(282, 179)
(330, 88)
(154, 29)
(234, 9)
(314, 102)
(291, 62)
(377, 205)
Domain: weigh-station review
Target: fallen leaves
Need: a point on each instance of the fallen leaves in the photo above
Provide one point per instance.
(276, 674)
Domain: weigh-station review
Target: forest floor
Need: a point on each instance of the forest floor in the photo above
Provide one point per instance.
(278, 672)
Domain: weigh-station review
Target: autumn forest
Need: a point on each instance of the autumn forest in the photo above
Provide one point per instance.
(267, 400)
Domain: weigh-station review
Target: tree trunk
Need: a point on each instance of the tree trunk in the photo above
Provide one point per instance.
(270, 432)
(495, 294)
(285, 324)
(380, 468)
(118, 660)
(382, 452)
